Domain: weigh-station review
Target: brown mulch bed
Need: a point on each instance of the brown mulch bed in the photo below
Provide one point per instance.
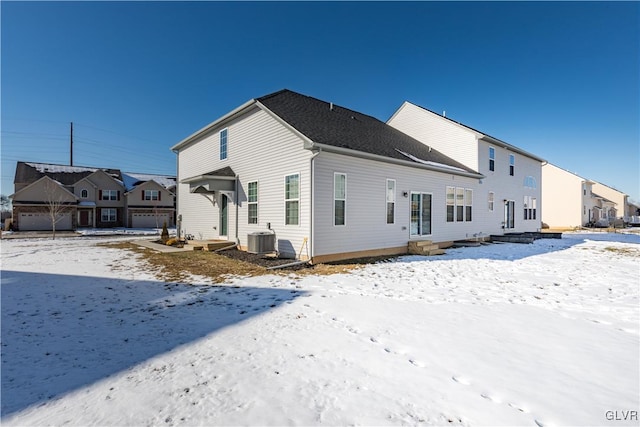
(261, 260)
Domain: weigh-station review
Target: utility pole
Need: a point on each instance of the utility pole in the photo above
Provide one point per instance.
(71, 146)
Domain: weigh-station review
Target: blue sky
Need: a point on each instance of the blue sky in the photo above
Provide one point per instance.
(560, 80)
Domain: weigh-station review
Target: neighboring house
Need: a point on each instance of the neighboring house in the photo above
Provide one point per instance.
(621, 200)
(333, 183)
(567, 200)
(508, 197)
(90, 197)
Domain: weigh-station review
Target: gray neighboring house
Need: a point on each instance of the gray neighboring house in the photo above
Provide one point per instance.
(90, 197)
(330, 182)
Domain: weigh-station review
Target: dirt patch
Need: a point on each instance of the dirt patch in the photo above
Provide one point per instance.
(177, 266)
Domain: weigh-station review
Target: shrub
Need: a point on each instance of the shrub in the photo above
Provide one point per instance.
(165, 233)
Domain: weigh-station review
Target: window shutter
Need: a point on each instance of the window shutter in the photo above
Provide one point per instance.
(142, 194)
(118, 194)
(159, 195)
(99, 194)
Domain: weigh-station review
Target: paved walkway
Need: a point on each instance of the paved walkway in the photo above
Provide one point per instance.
(161, 248)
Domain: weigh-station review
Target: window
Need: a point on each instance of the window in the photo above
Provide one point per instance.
(530, 182)
(223, 144)
(151, 195)
(109, 195)
(491, 200)
(292, 199)
(339, 198)
(420, 214)
(84, 194)
(530, 207)
(252, 202)
(391, 201)
(512, 164)
(451, 203)
(108, 215)
(459, 204)
(492, 159)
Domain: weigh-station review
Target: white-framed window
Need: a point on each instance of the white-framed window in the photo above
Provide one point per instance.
(108, 215)
(492, 159)
(292, 199)
(151, 195)
(391, 201)
(109, 195)
(459, 204)
(491, 200)
(223, 144)
(84, 193)
(252, 202)
(451, 204)
(339, 198)
(468, 204)
(512, 164)
(530, 207)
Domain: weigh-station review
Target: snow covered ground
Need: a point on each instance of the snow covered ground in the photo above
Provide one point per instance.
(507, 334)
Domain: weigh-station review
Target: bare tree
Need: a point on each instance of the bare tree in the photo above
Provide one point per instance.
(56, 204)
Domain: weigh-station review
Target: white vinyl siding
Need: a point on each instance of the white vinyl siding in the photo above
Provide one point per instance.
(339, 198)
(264, 150)
(367, 224)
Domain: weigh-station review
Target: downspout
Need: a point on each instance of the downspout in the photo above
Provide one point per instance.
(313, 196)
(237, 197)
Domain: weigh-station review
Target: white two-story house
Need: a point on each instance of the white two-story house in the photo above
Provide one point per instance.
(508, 197)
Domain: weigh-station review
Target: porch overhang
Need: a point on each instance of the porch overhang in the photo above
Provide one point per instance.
(223, 180)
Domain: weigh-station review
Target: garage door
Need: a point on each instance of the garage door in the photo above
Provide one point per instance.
(42, 221)
(149, 220)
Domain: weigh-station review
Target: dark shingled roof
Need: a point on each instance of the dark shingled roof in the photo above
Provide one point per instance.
(225, 171)
(340, 127)
(28, 172)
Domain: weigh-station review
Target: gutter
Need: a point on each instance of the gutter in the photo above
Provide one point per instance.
(361, 154)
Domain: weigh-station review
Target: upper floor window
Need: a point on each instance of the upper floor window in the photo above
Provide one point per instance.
(492, 159)
(110, 195)
(339, 198)
(151, 195)
(512, 164)
(84, 194)
(252, 202)
(391, 201)
(292, 199)
(530, 182)
(223, 144)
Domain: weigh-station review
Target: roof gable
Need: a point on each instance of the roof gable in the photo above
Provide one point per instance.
(332, 125)
(475, 132)
(52, 191)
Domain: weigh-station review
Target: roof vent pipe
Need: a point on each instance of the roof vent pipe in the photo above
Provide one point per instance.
(444, 113)
(331, 106)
